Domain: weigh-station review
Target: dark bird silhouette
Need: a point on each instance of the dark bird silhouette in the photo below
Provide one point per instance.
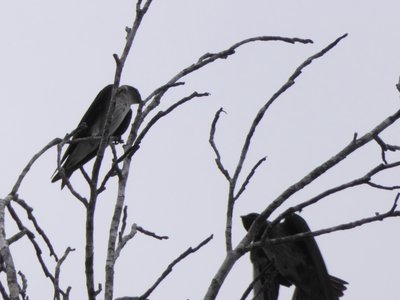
(299, 263)
(80, 152)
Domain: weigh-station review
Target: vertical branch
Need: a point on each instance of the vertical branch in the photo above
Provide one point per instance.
(111, 247)
(234, 254)
(89, 248)
(250, 134)
(6, 253)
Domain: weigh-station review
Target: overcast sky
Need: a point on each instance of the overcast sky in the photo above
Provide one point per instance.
(56, 56)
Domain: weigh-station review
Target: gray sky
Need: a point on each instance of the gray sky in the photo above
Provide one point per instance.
(56, 56)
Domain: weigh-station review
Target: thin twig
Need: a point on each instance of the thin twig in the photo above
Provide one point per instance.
(385, 147)
(321, 169)
(123, 226)
(132, 150)
(214, 146)
(383, 187)
(233, 255)
(359, 181)
(290, 82)
(16, 237)
(392, 212)
(168, 270)
(78, 196)
(31, 217)
(249, 176)
(56, 283)
(162, 90)
(31, 238)
(211, 57)
(251, 285)
(124, 240)
(31, 162)
(152, 234)
(22, 290)
(160, 115)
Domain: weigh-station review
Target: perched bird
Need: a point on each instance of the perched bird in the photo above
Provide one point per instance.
(267, 279)
(79, 153)
(299, 263)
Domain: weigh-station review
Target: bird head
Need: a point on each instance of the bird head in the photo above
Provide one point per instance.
(130, 92)
(248, 220)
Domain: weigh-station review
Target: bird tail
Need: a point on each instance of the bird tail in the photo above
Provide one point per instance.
(338, 286)
(57, 177)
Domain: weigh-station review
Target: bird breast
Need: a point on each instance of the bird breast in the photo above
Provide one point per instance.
(122, 107)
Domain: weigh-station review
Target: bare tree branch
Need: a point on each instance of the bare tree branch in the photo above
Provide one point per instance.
(385, 147)
(359, 181)
(123, 226)
(248, 178)
(160, 115)
(3, 292)
(56, 283)
(31, 238)
(135, 140)
(256, 121)
(22, 290)
(168, 270)
(341, 155)
(31, 217)
(132, 150)
(162, 90)
(16, 237)
(31, 162)
(209, 58)
(250, 287)
(124, 240)
(392, 212)
(214, 146)
(233, 255)
(61, 171)
(6, 253)
(109, 278)
(152, 234)
(383, 187)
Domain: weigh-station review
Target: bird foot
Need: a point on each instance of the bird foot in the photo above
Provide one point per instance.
(117, 140)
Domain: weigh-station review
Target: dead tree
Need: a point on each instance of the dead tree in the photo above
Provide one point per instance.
(120, 233)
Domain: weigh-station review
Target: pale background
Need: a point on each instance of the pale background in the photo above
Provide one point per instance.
(55, 56)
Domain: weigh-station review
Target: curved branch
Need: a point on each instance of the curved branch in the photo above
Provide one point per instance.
(168, 270)
(31, 162)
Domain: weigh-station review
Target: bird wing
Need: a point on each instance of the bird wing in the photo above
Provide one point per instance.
(98, 106)
(266, 281)
(266, 278)
(309, 270)
(79, 153)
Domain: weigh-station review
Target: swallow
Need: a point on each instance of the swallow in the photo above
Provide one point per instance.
(299, 263)
(80, 152)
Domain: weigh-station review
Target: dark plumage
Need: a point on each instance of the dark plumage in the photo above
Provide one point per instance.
(299, 263)
(79, 153)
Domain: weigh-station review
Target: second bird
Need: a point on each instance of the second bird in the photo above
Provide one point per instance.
(299, 263)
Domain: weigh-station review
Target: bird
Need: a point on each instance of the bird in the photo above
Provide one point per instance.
(92, 123)
(299, 263)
